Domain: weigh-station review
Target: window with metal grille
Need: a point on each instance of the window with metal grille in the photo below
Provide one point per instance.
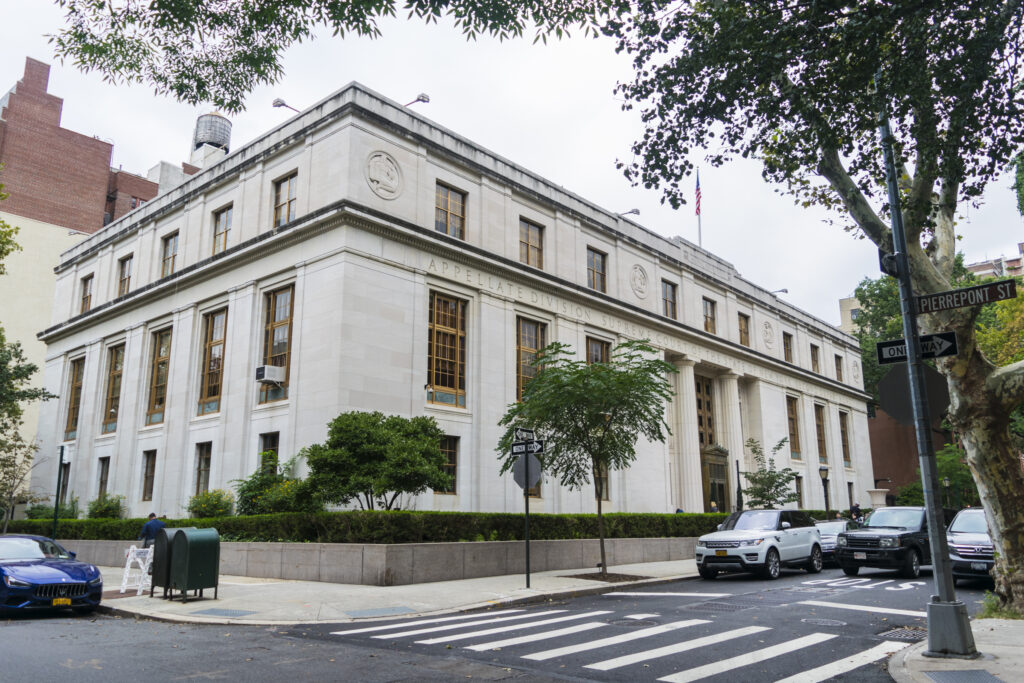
(819, 427)
(530, 339)
(221, 228)
(212, 369)
(159, 367)
(277, 340)
(597, 270)
(710, 315)
(74, 398)
(598, 350)
(450, 211)
(446, 359)
(104, 476)
(531, 243)
(112, 405)
(86, 294)
(269, 443)
(204, 453)
(668, 299)
(169, 254)
(744, 327)
(148, 474)
(705, 412)
(844, 436)
(792, 408)
(450, 451)
(124, 275)
(284, 199)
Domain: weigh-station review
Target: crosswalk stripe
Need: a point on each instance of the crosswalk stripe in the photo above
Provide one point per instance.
(534, 637)
(451, 627)
(513, 627)
(614, 640)
(675, 648)
(669, 595)
(404, 624)
(841, 666)
(865, 608)
(754, 657)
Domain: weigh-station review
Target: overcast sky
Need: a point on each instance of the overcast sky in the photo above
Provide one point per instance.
(550, 109)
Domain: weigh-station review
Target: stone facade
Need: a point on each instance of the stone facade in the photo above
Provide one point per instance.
(337, 210)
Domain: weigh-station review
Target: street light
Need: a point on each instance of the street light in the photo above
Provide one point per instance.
(945, 484)
(823, 471)
(631, 212)
(278, 102)
(779, 291)
(422, 97)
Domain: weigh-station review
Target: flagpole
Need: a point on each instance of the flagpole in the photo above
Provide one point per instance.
(696, 193)
(700, 241)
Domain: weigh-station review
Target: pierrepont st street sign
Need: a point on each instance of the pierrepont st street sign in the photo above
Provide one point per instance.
(968, 296)
(932, 346)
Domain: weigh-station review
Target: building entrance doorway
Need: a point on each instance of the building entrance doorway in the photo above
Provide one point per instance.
(714, 465)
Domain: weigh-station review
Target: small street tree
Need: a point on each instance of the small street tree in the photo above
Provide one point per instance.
(375, 458)
(16, 465)
(768, 486)
(591, 414)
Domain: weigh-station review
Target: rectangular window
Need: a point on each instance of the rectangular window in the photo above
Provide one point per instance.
(792, 406)
(709, 315)
(819, 428)
(598, 350)
(844, 437)
(212, 369)
(530, 339)
(115, 367)
(849, 493)
(204, 453)
(221, 228)
(450, 451)
(86, 294)
(744, 323)
(159, 365)
(169, 255)
(787, 346)
(799, 484)
(597, 270)
(705, 412)
(668, 300)
(104, 477)
(815, 360)
(148, 474)
(446, 351)
(450, 211)
(284, 200)
(601, 483)
(65, 476)
(277, 340)
(269, 444)
(74, 398)
(531, 243)
(839, 368)
(124, 275)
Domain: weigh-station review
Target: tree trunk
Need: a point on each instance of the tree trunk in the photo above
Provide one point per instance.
(600, 526)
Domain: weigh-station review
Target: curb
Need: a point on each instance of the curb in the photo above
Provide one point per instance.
(897, 666)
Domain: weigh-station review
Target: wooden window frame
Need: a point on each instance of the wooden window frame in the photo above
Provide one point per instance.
(839, 368)
(710, 307)
(743, 321)
(844, 437)
(156, 406)
(65, 478)
(793, 420)
(704, 388)
(270, 442)
(204, 457)
(450, 450)
(124, 274)
(86, 289)
(168, 254)
(819, 429)
(527, 352)
(446, 350)
(531, 243)
(148, 474)
(787, 347)
(602, 483)
(112, 402)
(284, 207)
(445, 211)
(104, 476)
(798, 486)
(597, 270)
(670, 299)
(271, 323)
(598, 350)
(76, 375)
(815, 359)
(211, 380)
(221, 228)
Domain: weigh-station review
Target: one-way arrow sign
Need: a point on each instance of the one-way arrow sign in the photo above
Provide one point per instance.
(932, 346)
(532, 447)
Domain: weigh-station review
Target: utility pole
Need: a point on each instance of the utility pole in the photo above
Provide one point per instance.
(56, 500)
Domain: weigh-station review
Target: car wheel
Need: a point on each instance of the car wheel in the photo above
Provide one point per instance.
(707, 572)
(815, 562)
(851, 571)
(772, 566)
(912, 565)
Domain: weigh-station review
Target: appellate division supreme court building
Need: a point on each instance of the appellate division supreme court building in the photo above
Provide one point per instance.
(361, 257)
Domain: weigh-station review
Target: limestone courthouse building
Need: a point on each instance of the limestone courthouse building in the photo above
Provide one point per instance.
(361, 257)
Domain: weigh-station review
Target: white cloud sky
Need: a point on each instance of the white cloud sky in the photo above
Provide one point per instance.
(549, 108)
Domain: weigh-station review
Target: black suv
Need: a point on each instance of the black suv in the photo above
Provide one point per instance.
(891, 538)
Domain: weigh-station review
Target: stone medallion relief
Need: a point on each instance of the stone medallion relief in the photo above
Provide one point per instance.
(383, 175)
(768, 334)
(638, 281)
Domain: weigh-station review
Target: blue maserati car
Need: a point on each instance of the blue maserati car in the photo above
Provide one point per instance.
(37, 573)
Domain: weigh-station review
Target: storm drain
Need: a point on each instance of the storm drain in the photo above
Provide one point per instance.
(961, 676)
(907, 633)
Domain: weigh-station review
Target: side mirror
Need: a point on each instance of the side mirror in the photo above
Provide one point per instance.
(73, 554)
(786, 525)
(719, 527)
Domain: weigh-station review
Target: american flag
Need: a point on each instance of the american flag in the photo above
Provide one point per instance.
(697, 192)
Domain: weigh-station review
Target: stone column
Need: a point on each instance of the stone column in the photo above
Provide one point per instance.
(732, 429)
(689, 485)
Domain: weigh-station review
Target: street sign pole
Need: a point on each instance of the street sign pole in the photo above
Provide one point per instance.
(526, 507)
(949, 631)
(56, 500)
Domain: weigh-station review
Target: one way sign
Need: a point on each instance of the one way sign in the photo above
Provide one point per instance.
(531, 447)
(932, 346)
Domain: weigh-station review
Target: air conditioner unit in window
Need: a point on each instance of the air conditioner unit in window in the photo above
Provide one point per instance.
(270, 374)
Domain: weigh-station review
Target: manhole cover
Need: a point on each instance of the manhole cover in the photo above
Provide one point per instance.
(824, 622)
(907, 633)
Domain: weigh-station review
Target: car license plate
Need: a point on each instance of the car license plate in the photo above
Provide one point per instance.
(721, 553)
(978, 566)
(62, 602)
(860, 556)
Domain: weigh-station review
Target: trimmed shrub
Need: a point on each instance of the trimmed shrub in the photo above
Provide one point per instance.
(215, 503)
(105, 507)
(43, 511)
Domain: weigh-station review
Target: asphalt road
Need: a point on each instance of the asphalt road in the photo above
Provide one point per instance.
(735, 628)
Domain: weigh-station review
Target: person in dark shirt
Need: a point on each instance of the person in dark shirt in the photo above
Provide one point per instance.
(150, 529)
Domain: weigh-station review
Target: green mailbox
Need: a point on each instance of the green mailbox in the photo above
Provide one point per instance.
(162, 549)
(195, 561)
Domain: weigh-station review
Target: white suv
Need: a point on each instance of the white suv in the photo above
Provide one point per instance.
(761, 541)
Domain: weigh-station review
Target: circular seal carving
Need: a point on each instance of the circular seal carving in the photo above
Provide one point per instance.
(383, 175)
(638, 281)
(768, 334)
